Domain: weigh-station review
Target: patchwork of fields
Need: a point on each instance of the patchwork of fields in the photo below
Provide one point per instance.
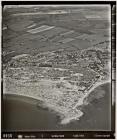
(56, 56)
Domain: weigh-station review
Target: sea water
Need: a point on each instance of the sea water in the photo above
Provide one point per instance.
(23, 113)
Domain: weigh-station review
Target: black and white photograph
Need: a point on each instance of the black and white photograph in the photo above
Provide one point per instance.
(58, 70)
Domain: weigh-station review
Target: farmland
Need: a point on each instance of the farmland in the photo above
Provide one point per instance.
(55, 56)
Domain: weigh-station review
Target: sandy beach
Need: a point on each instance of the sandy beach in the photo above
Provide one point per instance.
(16, 105)
(65, 118)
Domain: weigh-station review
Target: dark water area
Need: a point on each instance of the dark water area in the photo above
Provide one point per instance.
(22, 113)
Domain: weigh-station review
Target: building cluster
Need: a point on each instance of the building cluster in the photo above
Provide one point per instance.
(61, 78)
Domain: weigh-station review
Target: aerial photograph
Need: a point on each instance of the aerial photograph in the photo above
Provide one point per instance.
(56, 67)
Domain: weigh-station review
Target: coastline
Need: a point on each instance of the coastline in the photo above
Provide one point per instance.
(81, 102)
(27, 99)
(64, 117)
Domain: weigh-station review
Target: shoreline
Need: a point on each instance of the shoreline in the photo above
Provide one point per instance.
(81, 102)
(64, 119)
(26, 99)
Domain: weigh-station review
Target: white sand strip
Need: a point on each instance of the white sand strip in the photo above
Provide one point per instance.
(88, 92)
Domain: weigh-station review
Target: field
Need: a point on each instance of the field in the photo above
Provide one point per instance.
(56, 56)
